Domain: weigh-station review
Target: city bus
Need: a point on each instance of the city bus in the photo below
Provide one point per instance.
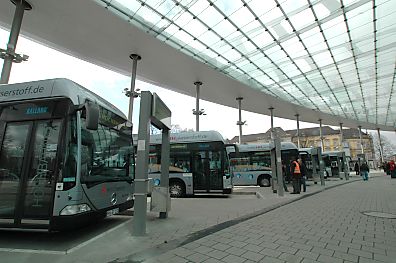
(336, 163)
(198, 163)
(66, 156)
(312, 158)
(252, 165)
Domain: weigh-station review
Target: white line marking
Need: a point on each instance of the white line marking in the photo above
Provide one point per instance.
(61, 252)
(95, 238)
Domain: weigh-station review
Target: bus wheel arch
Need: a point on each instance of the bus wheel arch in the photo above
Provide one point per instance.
(177, 188)
(264, 180)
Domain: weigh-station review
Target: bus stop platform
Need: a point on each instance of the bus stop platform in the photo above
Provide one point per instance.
(190, 219)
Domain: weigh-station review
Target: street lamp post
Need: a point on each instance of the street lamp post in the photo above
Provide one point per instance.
(9, 54)
(240, 123)
(197, 112)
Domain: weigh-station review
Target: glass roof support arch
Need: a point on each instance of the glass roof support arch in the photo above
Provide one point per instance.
(9, 54)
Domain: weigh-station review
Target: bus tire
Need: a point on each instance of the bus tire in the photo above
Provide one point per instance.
(327, 175)
(227, 191)
(177, 188)
(264, 181)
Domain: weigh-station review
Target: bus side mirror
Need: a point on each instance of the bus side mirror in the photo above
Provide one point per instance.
(91, 115)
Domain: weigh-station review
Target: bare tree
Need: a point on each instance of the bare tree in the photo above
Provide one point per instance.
(175, 128)
(387, 146)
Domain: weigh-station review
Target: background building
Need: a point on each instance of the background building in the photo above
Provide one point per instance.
(309, 137)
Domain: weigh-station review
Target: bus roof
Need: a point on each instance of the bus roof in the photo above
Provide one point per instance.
(310, 150)
(333, 153)
(188, 137)
(258, 147)
(53, 88)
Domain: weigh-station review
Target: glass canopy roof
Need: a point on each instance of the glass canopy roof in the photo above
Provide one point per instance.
(335, 56)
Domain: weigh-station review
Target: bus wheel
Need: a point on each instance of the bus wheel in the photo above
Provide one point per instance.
(176, 189)
(326, 175)
(264, 181)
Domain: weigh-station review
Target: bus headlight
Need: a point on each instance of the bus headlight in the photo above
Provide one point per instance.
(130, 197)
(75, 209)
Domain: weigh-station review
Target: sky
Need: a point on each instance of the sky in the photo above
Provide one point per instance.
(47, 63)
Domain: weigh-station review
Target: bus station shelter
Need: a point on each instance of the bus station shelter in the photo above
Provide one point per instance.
(328, 60)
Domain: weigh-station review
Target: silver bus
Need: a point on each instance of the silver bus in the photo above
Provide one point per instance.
(198, 163)
(66, 156)
(336, 163)
(312, 158)
(252, 166)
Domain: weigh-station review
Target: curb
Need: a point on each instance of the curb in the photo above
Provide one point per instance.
(157, 250)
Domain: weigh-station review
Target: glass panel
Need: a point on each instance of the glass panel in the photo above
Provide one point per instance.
(11, 161)
(105, 155)
(228, 7)
(302, 19)
(41, 178)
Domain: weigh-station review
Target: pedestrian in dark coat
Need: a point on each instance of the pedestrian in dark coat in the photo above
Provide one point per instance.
(304, 172)
(364, 170)
(357, 170)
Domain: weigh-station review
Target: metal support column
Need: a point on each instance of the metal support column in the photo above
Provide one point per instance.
(341, 138)
(272, 122)
(320, 134)
(360, 138)
(131, 94)
(9, 54)
(240, 122)
(276, 160)
(344, 166)
(141, 178)
(380, 144)
(165, 150)
(298, 130)
(197, 112)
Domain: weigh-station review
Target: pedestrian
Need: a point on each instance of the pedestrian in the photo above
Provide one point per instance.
(364, 170)
(357, 170)
(387, 169)
(392, 169)
(284, 176)
(295, 172)
(303, 169)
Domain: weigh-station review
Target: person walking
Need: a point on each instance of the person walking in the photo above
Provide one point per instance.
(364, 170)
(295, 171)
(357, 170)
(303, 170)
(392, 169)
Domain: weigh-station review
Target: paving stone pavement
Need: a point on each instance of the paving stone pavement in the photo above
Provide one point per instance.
(326, 227)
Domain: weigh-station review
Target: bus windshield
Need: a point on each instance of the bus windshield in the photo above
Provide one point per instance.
(106, 153)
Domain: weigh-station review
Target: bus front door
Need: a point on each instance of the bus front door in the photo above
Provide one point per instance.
(28, 171)
(199, 171)
(207, 171)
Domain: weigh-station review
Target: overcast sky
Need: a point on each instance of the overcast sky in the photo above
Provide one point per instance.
(46, 63)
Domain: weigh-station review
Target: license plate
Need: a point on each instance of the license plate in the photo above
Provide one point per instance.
(112, 212)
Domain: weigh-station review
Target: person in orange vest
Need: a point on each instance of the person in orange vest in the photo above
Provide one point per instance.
(295, 171)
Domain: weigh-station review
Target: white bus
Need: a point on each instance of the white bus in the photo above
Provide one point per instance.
(336, 162)
(66, 156)
(198, 163)
(252, 166)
